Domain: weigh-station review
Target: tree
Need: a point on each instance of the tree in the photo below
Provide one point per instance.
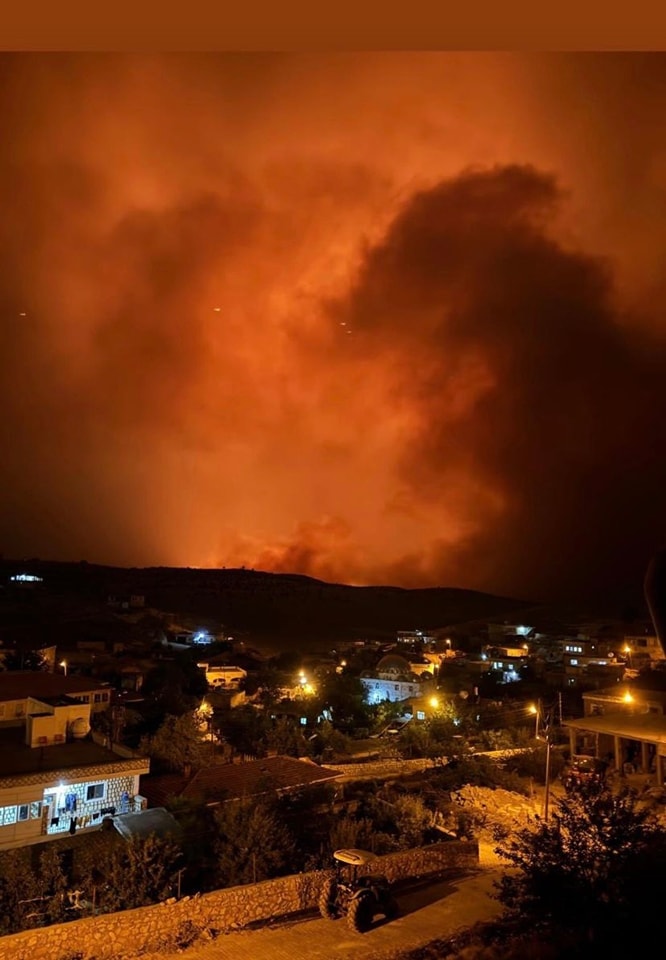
(245, 730)
(19, 892)
(252, 843)
(176, 685)
(53, 883)
(140, 872)
(593, 870)
(412, 820)
(330, 743)
(414, 742)
(384, 712)
(350, 832)
(287, 739)
(24, 660)
(196, 821)
(344, 696)
(178, 743)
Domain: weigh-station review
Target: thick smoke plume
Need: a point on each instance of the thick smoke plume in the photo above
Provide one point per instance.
(371, 318)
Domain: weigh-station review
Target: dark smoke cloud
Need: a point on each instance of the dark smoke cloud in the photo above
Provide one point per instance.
(539, 415)
(375, 318)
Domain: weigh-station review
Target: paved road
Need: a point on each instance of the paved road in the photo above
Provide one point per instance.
(433, 911)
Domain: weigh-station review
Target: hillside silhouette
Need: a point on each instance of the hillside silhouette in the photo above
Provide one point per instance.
(266, 603)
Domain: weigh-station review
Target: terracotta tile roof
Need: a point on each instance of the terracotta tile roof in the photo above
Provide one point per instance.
(232, 781)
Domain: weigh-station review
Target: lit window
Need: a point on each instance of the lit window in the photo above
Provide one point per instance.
(8, 815)
(420, 715)
(96, 791)
(35, 810)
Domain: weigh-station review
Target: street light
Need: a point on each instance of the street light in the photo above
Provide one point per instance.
(434, 703)
(535, 710)
(63, 664)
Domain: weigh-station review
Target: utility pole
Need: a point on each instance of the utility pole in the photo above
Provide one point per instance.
(546, 796)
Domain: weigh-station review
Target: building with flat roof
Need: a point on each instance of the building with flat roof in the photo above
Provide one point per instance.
(18, 686)
(54, 777)
(626, 725)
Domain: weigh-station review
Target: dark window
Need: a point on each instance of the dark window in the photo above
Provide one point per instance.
(23, 811)
(95, 791)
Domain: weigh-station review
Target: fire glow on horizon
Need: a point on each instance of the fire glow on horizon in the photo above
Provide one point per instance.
(372, 318)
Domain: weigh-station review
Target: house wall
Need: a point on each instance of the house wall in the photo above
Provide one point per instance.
(223, 676)
(377, 690)
(44, 729)
(645, 701)
(34, 792)
(151, 929)
(13, 712)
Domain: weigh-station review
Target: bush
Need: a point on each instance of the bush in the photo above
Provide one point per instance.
(532, 764)
(476, 771)
(252, 843)
(590, 871)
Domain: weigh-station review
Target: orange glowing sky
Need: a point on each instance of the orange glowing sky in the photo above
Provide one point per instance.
(376, 318)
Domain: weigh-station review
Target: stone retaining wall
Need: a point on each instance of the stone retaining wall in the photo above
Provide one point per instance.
(163, 926)
(379, 769)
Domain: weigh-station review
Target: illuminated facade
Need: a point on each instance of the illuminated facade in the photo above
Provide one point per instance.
(55, 777)
(39, 806)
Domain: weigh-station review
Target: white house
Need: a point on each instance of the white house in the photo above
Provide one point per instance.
(55, 779)
(394, 679)
(222, 674)
(42, 805)
(377, 690)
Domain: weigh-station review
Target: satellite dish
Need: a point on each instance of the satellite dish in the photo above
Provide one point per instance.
(79, 728)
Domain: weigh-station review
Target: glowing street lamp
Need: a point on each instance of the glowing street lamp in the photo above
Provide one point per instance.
(205, 711)
(535, 710)
(434, 703)
(628, 697)
(63, 664)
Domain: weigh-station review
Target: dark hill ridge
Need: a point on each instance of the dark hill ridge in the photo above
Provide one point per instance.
(270, 602)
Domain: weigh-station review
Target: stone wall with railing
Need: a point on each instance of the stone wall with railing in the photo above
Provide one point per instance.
(165, 926)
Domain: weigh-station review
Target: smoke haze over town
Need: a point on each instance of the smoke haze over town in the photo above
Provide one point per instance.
(378, 318)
